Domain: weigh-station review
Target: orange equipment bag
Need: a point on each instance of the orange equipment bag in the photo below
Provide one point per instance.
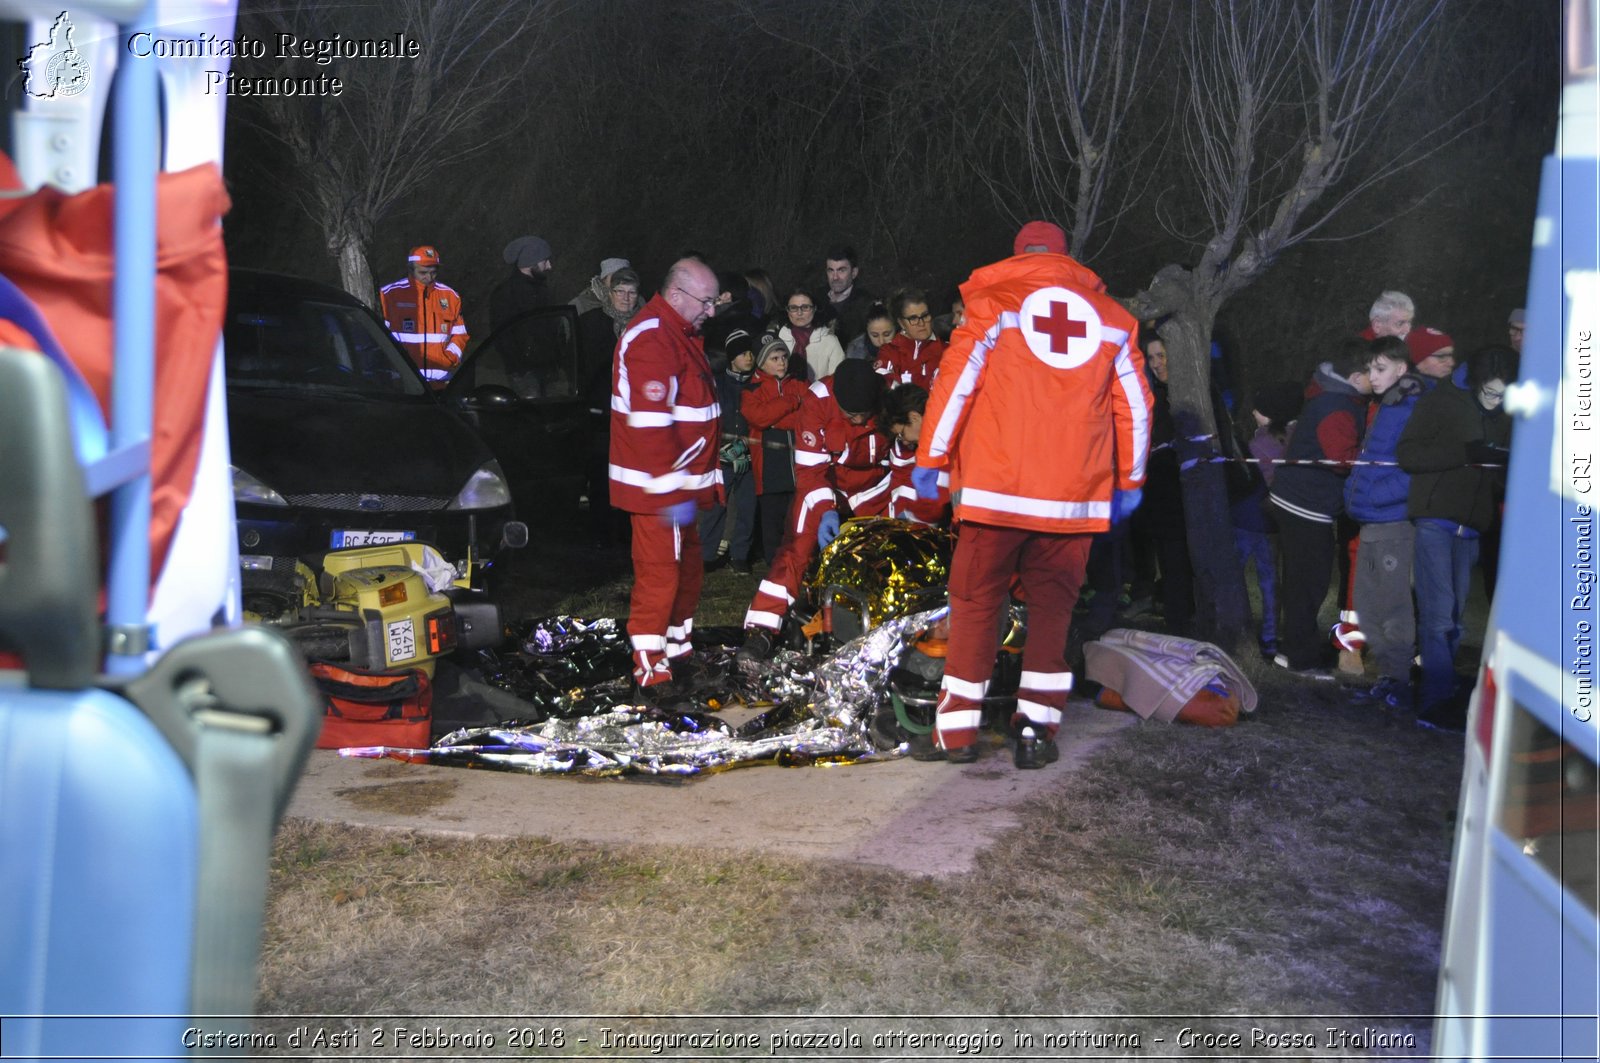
(374, 708)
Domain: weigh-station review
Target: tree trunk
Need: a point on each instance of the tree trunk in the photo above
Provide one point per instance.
(354, 272)
(1222, 608)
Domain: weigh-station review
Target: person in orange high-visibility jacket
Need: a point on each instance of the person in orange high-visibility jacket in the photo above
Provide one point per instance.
(425, 317)
(665, 421)
(1041, 414)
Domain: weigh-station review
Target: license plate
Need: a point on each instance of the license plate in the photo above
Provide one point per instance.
(342, 538)
(402, 639)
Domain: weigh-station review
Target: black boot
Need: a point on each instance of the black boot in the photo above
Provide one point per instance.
(755, 652)
(962, 754)
(670, 696)
(1034, 750)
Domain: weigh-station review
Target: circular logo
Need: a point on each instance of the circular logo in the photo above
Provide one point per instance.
(808, 438)
(655, 390)
(66, 73)
(1060, 327)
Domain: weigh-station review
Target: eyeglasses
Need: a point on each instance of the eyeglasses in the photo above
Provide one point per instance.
(917, 317)
(1492, 395)
(707, 301)
(801, 308)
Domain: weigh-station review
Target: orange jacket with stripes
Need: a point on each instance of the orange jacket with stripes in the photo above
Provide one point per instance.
(1040, 408)
(428, 324)
(665, 418)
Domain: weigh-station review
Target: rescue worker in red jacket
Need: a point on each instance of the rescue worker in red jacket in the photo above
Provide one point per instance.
(664, 426)
(1041, 414)
(425, 316)
(841, 468)
(912, 356)
(902, 416)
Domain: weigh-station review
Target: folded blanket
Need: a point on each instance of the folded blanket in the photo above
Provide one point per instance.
(1158, 674)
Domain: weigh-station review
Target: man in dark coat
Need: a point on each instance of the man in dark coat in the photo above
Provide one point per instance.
(527, 287)
(1455, 447)
(847, 303)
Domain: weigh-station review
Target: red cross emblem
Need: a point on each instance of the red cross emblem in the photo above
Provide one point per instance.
(1061, 327)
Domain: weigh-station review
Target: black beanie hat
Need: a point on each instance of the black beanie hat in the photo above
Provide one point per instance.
(738, 342)
(857, 386)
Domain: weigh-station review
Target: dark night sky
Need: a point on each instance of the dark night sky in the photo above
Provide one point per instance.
(647, 129)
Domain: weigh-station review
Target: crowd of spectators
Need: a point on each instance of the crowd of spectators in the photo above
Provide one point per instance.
(1384, 466)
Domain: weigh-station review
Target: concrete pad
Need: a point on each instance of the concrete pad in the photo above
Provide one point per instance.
(918, 818)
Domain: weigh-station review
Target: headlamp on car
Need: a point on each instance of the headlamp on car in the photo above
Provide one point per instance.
(247, 488)
(486, 489)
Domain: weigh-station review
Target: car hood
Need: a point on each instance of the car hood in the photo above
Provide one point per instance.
(300, 443)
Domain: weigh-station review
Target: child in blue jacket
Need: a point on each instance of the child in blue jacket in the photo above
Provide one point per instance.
(1375, 495)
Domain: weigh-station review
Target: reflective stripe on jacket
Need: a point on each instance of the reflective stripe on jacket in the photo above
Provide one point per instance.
(665, 418)
(1040, 407)
(903, 500)
(835, 459)
(427, 322)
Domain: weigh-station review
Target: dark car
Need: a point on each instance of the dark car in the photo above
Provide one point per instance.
(520, 389)
(337, 441)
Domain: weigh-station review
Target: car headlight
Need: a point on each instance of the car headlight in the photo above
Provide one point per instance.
(247, 488)
(485, 489)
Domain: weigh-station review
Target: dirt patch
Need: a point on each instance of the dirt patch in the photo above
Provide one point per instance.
(418, 798)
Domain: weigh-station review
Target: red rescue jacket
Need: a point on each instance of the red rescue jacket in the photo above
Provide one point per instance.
(904, 360)
(1042, 407)
(903, 500)
(836, 460)
(665, 418)
(771, 406)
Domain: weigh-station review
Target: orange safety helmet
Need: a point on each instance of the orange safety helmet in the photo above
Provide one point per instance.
(423, 256)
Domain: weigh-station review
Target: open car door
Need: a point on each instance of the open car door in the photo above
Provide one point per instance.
(520, 388)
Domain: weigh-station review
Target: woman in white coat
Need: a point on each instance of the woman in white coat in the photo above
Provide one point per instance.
(814, 349)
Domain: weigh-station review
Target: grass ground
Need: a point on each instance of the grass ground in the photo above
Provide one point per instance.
(1294, 864)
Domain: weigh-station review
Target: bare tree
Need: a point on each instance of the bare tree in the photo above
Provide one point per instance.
(1283, 105)
(397, 122)
(1084, 70)
(892, 98)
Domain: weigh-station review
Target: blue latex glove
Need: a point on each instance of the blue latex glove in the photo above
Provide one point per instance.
(679, 514)
(1123, 503)
(828, 528)
(926, 481)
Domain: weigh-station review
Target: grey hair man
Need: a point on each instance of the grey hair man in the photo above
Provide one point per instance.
(1391, 315)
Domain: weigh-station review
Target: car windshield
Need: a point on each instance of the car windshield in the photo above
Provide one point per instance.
(316, 346)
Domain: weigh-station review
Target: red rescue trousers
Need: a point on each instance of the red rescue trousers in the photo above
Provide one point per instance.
(1051, 570)
(667, 573)
(776, 593)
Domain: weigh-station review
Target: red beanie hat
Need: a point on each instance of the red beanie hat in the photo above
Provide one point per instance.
(1046, 234)
(1423, 342)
